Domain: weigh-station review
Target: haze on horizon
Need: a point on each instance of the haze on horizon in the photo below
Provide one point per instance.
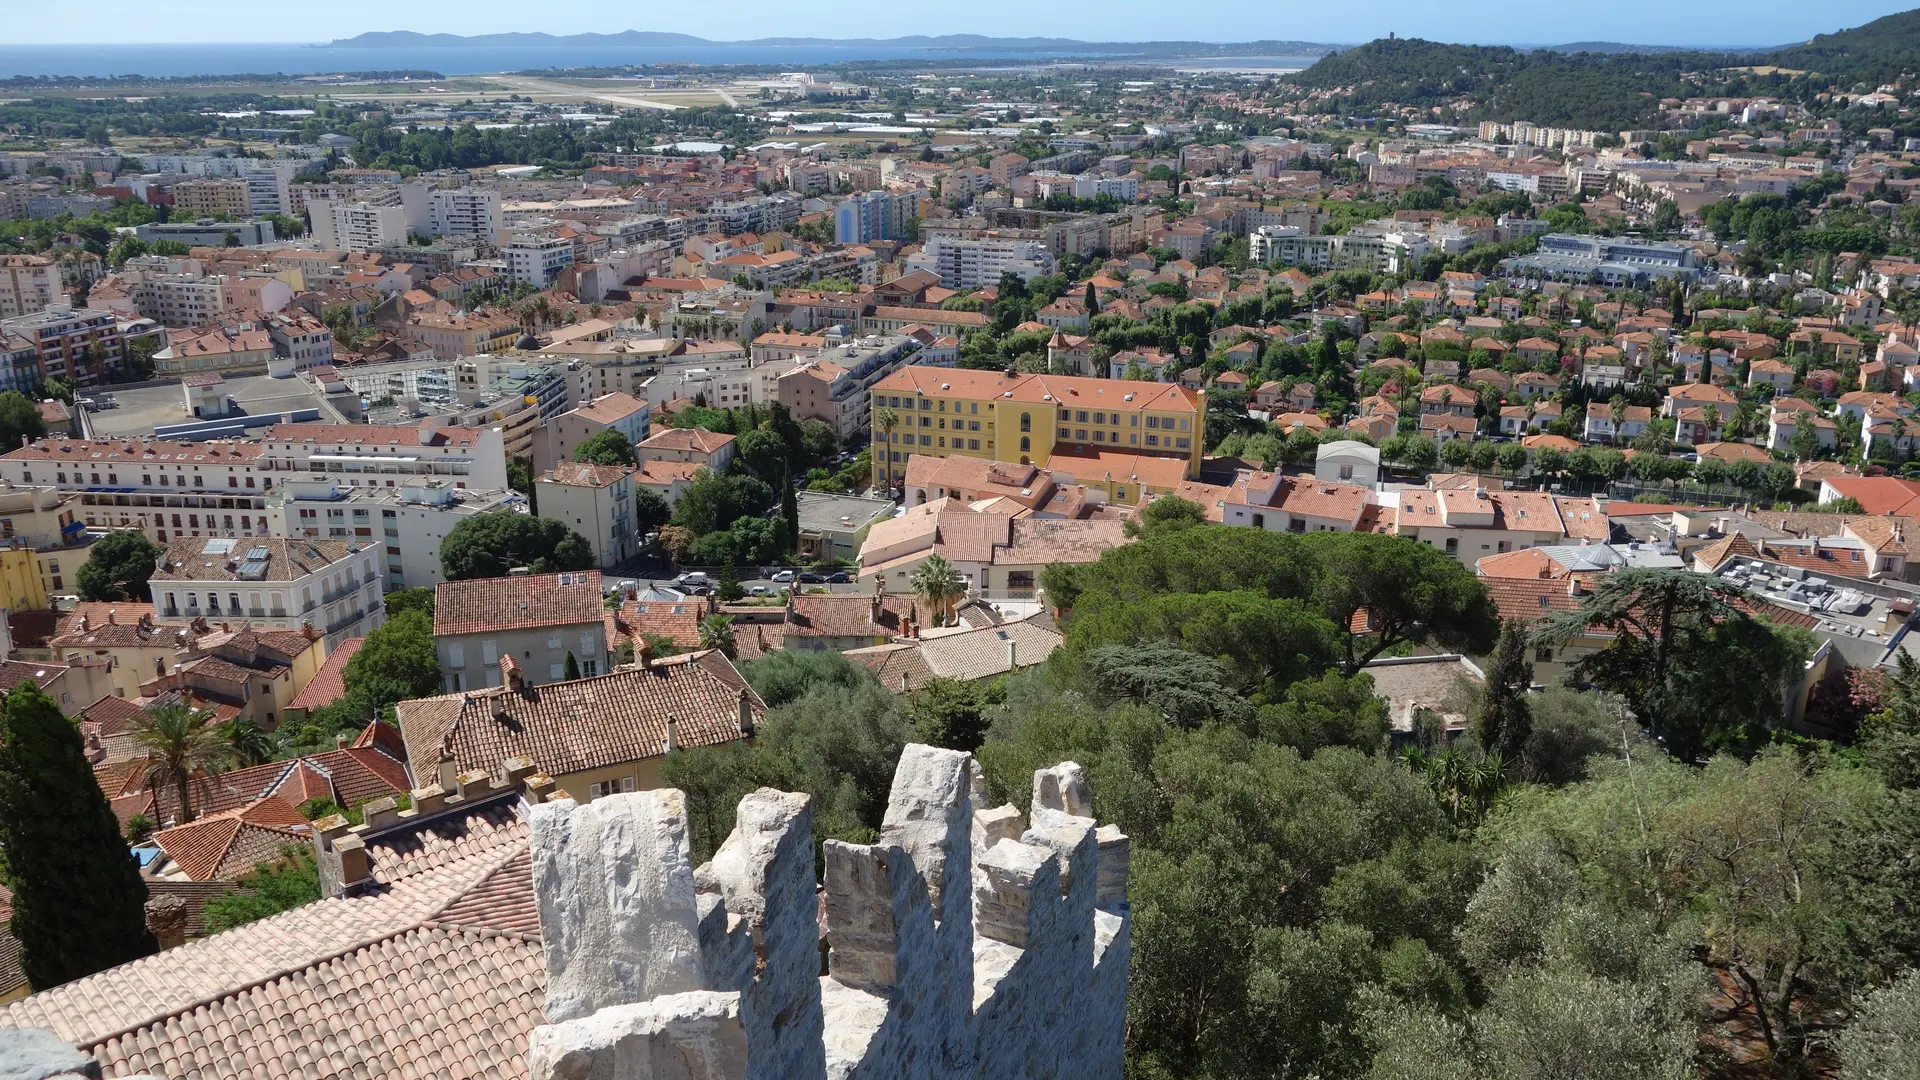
(1646, 22)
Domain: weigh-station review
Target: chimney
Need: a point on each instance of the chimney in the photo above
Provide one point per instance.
(879, 606)
(84, 620)
(1574, 588)
(111, 617)
(510, 673)
(1013, 654)
(746, 713)
(449, 772)
(643, 654)
(167, 918)
(340, 741)
(673, 730)
(355, 865)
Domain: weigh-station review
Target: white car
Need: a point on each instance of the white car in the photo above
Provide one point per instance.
(783, 577)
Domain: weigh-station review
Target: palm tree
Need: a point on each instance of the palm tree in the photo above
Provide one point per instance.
(937, 582)
(251, 744)
(179, 742)
(716, 632)
(886, 420)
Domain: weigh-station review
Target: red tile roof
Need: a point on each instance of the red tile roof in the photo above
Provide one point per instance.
(485, 605)
(328, 685)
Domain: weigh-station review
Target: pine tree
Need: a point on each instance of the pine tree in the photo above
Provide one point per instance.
(1093, 302)
(1506, 720)
(78, 901)
(572, 669)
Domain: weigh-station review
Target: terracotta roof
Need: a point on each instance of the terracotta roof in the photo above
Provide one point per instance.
(692, 439)
(328, 685)
(595, 722)
(610, 408)
(899, 666)
(80, 451)
(287, 560)
(430, 972)
(489, 605)
(223, 846)
(1061, 390)
(373, 434)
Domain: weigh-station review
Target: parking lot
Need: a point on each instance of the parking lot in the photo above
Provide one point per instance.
(144, 408)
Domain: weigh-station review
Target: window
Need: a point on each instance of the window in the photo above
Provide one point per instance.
(1080, 416)
(973, 444)
(1453, 546)
(555, 672)
(1543, 656)
(1026, 422)
(1182, 443)
(1153, 440)
(1080, 434)
(1259, 521)
(1026, 444)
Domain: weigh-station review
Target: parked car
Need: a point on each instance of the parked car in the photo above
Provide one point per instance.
(783, 576)
(693, 579)
(759, 590)
(811, 577)
(839, 577)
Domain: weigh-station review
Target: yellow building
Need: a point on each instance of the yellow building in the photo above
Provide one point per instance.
(20, 578)
(227, 197)
(1104, 433)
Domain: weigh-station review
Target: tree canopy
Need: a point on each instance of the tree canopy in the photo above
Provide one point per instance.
(489, 545)
(118, 566)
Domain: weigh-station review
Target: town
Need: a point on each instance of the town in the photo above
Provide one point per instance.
(1065, 566)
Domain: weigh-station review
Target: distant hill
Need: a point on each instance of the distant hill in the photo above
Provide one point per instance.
(1609, 47)
(407, 39)
(1877, 52)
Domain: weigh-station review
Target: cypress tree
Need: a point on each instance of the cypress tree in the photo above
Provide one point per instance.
(1506, 719)
(78, 901)
(790, 512)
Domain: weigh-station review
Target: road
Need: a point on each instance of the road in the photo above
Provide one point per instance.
(545, 87)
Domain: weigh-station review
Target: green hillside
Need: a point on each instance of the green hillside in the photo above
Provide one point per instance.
(1881, 50)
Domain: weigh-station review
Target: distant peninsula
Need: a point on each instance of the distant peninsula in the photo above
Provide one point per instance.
(407, 39)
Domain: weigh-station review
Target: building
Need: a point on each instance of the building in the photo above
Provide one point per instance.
(210, 233)
(409, 521)
(597, 501)
(874, 215)
(563, 434)
(694, 446)
(537, 620)
(600, 734)
(224, 197)
(832, 527)
(463, 211)
(244, 671)
(1347, 462)
(1000, 556)
(360, 455)
(1612, 261)
(1124, 430)
(536, 260)
(28, 284)
(834, 387)
(357, 225)
(332, 586)
(167, 489)
(975, 261)
(79, 346)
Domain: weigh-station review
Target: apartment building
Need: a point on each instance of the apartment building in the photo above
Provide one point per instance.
(1289, 245)
(29, 284)
(358, 225)
(1104, 433)
(454, 336)
(561, 435)
(207, 232)
(223, 197)
(409, 521)
(331, 585)
(537, 260)
(463, 211)
(975, 261)
(166, 489)
(536, 619)
(596, 501)
(835, 386)
(874, 215)
(174, 299)
(80, 347)
(361, 455)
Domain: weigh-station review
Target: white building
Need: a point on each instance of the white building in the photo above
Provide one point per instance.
(357, 226)
(595, 501)
(464, 211)
(28, 284)
(535, 260)
(333, 586)
(409, 521)
(973, 262)
(360, 455)
(167, 489)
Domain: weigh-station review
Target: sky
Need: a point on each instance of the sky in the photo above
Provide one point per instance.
(1662, 22)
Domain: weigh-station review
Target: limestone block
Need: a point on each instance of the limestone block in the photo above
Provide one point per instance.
(1114, 860)
(37, 1054)
(726, 945)
(929, 813)
(862, 929)
(1019, 890)
(765, 872)
(1064, 788)
(618, 914)
(689, 1036)
(994, 824)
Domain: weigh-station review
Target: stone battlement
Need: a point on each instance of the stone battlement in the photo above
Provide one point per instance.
(962, 943)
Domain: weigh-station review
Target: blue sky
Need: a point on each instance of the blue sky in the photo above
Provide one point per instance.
(1706, 22)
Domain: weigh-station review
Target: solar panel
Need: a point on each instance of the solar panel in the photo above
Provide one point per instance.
(252, 569)
(259, 554)
(218, 546)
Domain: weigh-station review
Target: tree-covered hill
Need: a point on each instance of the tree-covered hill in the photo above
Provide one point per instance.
(1882, 50)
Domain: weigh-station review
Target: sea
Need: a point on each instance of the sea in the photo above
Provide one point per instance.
(160, 61)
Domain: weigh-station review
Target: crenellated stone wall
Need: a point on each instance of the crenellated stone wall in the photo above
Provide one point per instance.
(963, 943)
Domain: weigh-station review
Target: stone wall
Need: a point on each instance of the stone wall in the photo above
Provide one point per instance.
(963, 943)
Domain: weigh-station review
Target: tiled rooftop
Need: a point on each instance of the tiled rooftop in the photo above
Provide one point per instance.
(485, 605)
